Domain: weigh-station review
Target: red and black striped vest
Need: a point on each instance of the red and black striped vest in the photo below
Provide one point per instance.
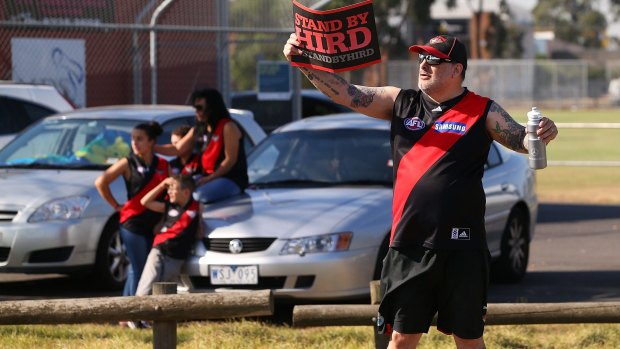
(439, 201)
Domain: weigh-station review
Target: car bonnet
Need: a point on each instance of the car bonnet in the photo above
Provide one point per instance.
(23, 187)
(287, 213)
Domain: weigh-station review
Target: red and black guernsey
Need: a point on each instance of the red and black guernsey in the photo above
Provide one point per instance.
(178, 233)
(134, 216)
(439, 158)
(211, 148)
(191, 167)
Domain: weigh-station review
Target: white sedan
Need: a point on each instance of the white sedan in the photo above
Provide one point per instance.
(52, 219)
(315, 222)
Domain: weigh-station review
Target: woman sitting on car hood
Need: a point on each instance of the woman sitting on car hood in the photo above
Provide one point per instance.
(219, 142)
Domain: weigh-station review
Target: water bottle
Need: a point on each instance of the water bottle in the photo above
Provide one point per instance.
(537, 153)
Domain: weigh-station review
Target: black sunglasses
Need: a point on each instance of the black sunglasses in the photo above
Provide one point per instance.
(432, 60)
(199, 107)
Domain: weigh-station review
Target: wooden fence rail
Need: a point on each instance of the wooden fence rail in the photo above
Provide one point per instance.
(164, 308)
(173, 307)
(497, 314)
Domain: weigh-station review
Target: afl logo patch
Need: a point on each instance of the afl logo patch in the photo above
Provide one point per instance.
(414, 124)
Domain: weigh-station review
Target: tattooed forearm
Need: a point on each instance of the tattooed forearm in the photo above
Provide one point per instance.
(340, 89)
(361, 96)
(511, 136)
(507, 131)
(328, 87)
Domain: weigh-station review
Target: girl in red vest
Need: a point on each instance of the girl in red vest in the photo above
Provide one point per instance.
(142, 171)
(218, 141)
(185, 163)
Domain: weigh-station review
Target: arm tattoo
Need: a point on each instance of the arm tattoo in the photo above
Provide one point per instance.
(361, 96)
(509, 133)
(323, 85)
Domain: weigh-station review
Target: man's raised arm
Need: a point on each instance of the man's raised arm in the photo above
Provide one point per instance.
(377, 102)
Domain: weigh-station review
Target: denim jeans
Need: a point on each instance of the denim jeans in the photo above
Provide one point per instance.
(215, 190)
(137, 247)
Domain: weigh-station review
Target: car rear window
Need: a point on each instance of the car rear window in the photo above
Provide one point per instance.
(15, 115)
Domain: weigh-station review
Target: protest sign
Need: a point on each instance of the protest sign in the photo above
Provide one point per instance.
(336, 40)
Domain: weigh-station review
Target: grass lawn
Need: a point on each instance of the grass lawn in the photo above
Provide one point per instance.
(595, 185)
(256, 335)
(580, 184)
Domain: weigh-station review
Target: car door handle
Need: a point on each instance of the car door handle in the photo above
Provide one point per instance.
(504, 186)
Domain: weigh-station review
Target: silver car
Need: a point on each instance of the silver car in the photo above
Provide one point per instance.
(52, 219)
(315, 223)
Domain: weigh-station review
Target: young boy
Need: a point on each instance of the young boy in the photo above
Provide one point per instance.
(178, 233)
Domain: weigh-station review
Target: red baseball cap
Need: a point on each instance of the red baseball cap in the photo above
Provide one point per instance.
(444, 46)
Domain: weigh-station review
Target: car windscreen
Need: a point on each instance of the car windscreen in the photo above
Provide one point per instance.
(70, 143)
(322, 157)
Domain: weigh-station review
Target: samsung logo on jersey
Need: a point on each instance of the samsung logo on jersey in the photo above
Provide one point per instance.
(452, 127)
(414, 124)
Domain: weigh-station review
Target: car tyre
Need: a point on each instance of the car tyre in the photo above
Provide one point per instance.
(511, 265)
(112, 262)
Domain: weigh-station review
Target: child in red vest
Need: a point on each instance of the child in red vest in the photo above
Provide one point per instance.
(173, 243)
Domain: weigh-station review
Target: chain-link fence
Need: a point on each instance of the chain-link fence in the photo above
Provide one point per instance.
(100, 52)
(116, 52)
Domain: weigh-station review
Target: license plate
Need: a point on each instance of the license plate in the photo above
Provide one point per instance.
(233, 274)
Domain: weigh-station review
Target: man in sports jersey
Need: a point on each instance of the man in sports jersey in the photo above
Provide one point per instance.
(438, 259)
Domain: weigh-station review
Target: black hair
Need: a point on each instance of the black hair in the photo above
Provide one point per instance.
(152, 129)
(186, 181)
(181, 130)
(216, 109)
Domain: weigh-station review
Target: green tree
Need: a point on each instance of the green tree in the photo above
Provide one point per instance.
(574, 21)
(615, 8)
(391, 15)
(504, 37)
(248, 48)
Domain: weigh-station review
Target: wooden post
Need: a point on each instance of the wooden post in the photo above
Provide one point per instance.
(164, 332)
(381, 340)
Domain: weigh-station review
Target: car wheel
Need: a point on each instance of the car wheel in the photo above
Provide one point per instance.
(511, 265)
(112, 263)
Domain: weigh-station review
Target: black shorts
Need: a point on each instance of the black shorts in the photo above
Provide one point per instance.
(418, 282)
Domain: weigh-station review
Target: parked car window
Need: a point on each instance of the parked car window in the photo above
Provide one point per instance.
(71, 143)
(334, 157)
(314, 106)
(494, 159)
(15, 115)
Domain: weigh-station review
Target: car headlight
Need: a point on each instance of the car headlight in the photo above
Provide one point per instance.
(60, 209)
(318, 243)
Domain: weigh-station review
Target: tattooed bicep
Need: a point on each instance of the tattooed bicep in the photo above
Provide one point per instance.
(503, 113)
(362, 96)
(505, 129)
